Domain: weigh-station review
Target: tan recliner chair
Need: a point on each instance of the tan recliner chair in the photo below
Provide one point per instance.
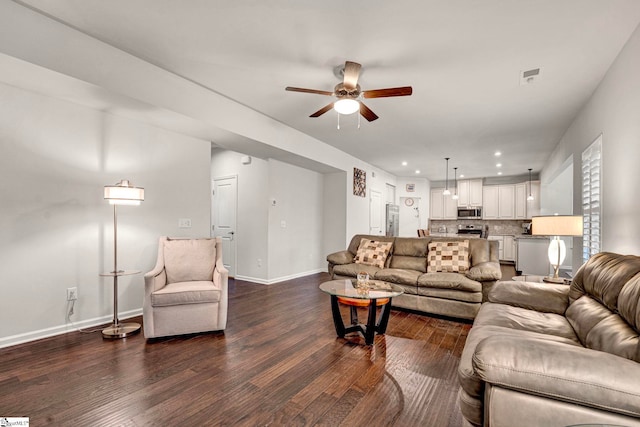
(186, 292)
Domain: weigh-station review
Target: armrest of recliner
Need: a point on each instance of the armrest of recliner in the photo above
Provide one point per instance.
(543, 297)
(485, 271)
(560, 371)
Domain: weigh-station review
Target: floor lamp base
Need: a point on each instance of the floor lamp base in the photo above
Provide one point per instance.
(123, 330)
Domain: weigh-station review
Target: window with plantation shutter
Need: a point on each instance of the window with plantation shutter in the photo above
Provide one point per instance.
(591, 198)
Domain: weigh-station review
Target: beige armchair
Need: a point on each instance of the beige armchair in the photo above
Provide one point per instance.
(186, 292)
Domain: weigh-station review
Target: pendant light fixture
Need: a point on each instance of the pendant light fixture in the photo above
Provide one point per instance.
(455, 184)
(446, 191)
(530, 196)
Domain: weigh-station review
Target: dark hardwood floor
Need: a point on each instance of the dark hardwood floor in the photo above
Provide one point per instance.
(278, 363)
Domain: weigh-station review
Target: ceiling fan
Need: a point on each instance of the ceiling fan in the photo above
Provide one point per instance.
(349, 94)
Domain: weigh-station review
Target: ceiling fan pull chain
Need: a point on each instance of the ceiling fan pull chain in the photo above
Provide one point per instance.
(358, 121)
(338, 121)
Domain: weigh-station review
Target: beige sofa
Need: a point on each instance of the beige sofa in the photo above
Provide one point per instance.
(555, 355)
(450, 294)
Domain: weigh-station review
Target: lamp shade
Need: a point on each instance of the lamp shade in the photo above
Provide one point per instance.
(556, 225)
(346, 106)
(123, 193)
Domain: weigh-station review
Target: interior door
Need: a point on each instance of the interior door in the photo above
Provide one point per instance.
(375, 213)
(224, 205)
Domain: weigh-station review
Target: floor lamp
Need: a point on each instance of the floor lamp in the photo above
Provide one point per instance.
(122, 193)
(556, 226)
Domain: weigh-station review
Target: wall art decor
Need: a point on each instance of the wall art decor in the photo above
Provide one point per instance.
(359, 182)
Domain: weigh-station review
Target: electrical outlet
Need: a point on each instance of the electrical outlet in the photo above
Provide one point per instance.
(72, 294)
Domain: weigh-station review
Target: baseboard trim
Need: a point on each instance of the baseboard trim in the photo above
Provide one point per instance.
(279, 279)
(63, 329)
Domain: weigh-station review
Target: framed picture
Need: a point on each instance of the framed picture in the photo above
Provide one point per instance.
(411, 188)
(359, 182)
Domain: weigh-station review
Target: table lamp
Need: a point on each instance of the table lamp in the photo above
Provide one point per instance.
(122, 193)
(556, 226)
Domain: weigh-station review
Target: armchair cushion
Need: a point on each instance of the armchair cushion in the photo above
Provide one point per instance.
(178, 293)
(188, 260)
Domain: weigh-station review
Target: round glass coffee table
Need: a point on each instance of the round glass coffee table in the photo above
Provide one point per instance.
(345, 291)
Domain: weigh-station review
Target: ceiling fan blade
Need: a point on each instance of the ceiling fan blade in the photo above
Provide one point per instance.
(384, 93)
(301, 89)
(351, 74)
(322, 110)
(367, 113)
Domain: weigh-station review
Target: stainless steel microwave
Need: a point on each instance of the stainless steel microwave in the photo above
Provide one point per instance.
(469, 213)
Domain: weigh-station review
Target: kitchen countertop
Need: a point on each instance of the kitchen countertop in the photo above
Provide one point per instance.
(529, 236)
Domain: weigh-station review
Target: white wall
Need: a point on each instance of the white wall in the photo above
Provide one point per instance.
(335, 212)
(613, 110)
(56, 229)
(421, 195)
(295, 222)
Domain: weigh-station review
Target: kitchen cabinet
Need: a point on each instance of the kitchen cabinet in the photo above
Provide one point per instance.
(509, 251)
(531, 256)
(490, 202)
(507, 247)
(499, 202)
(500, 240)
(525, 209)
(506, 201)
(470, 193)
(441, 206)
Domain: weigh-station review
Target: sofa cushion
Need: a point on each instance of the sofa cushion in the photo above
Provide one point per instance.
(394, 275)
(485, 271)
(352, 270)
(189, 259)
(372, 252)
(179, 293)
(409, 262)
(522, 319)
(448, 256)
(451, 294)
(449, 281)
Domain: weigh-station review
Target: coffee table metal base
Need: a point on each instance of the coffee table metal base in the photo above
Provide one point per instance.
(369, 330)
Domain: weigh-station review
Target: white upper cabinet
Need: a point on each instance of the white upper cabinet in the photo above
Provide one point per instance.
(525, 209)
(506, 201)
(441, 206)
(470, 193)
(490, 207)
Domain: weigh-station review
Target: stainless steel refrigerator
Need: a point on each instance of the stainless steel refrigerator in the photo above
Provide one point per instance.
(392, 220)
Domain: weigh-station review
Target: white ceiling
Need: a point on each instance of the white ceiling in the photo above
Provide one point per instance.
(463, 59)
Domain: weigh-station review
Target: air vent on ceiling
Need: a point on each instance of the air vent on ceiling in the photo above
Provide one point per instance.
(529, 76)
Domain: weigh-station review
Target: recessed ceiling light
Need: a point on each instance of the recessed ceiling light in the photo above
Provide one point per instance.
(498, 165)
(461, 175)
(404, 163)
(499, 173)
(497, 154)
(417, 170)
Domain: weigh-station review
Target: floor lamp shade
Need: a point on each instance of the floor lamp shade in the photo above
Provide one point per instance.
(556, 226)
(124, 193)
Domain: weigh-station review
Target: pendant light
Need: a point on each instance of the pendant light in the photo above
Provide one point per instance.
(455, 184)
(446, 191)
(530, 196)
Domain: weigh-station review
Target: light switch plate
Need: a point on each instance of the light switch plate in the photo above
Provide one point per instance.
(184, 223)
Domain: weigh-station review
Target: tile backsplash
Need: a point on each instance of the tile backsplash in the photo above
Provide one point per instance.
(496, 227)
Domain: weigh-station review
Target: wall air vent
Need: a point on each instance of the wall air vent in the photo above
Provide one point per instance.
(529, 76)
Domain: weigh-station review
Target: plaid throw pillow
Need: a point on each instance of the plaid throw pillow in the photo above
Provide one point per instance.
(450, 257)
(372, 252)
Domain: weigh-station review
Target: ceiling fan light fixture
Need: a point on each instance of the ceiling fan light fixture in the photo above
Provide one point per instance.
(346, 106)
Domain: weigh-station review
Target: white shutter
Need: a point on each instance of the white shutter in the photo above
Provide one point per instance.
(591, 198)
